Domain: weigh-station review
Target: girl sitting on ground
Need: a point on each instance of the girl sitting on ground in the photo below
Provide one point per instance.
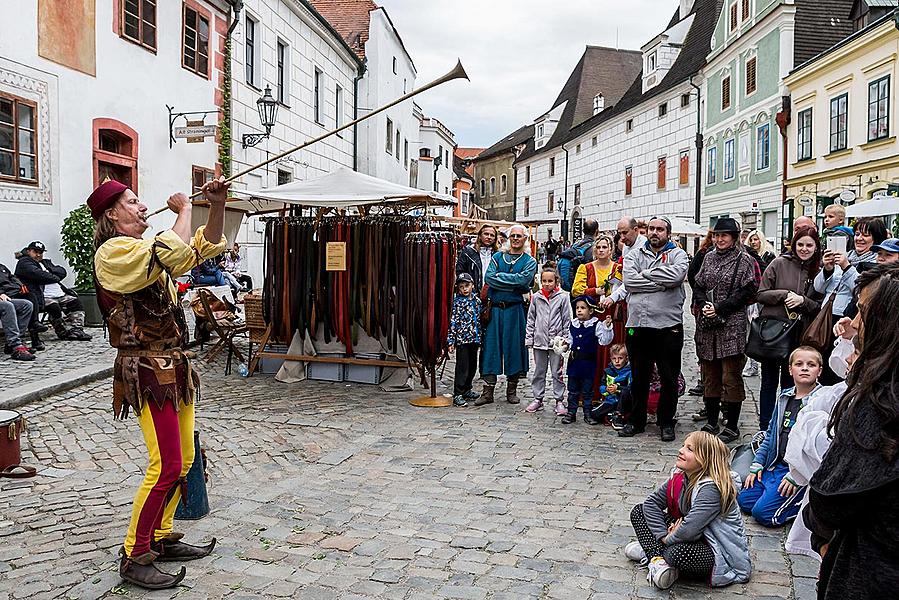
(692, 525)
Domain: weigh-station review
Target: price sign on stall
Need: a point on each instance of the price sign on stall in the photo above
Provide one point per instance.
(335, 256)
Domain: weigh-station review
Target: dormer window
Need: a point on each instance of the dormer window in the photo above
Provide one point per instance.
(599, 103)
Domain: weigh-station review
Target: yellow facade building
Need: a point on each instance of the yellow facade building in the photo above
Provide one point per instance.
(842, 140)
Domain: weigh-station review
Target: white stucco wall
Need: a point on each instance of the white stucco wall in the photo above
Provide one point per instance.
(69, 101)
(311, 46)
(379, 86)
(600, 170)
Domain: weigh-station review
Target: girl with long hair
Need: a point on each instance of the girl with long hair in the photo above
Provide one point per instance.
(853, 508)
(691, 525)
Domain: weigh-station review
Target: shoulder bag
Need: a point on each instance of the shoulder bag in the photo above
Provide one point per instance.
(486, 307)
(773, 338)
(717, 322)
(819, 334)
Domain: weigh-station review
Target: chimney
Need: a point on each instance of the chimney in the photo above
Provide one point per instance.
(599, 103)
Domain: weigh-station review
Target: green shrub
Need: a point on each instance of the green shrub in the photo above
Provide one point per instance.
(78, 246)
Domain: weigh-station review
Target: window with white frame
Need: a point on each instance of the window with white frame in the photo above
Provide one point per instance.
(629, 125)
(730, 159)
(483, 186)
(283, 72)
(593, 142)
(503, 181)
(804, 134)
(389, 144)
(338, 106)
(712, 165)
(762, 147)
(879, 109)
(839, 126)
(527, 174)
(552, 166)
(684, 100)
(396, 147)
(540, 130)
(663, 109)
(195, 51)
(405, 153)
(317, 89)
(493, 186)
(252, 43)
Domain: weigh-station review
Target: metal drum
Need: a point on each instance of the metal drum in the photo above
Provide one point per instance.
(11, 426)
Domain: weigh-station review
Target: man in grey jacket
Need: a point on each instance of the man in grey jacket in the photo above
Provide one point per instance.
(654, 279)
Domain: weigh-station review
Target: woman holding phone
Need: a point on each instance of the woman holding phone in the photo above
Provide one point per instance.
(839, 271)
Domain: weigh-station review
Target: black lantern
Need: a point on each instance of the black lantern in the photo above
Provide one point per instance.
(559, 204)
(268, 112)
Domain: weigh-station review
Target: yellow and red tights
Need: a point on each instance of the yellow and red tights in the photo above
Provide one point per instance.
(169, 436)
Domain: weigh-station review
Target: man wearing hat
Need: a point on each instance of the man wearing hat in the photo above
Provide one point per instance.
(887, 251)
(45, 279)
(152, 376)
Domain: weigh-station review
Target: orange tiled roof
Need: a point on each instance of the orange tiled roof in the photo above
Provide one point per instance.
(350, 19)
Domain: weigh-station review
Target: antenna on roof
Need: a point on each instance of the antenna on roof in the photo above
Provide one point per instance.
(617, 47)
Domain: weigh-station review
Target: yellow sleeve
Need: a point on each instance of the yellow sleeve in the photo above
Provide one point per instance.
(125, 265)
(580, 282)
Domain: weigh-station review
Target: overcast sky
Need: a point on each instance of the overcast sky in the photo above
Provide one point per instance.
(517, 53)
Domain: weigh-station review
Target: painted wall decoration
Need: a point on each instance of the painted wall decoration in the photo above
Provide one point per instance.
(66, 33)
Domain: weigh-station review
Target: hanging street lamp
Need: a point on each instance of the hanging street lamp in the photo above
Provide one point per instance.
(268, 112)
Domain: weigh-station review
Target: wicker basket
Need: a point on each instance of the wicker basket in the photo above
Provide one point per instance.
(252, 306)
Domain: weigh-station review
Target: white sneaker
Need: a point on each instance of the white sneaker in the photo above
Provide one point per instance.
(661, 574)
(634, 551)
(751, 369)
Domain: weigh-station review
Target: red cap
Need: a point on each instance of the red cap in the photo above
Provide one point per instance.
(104, 196)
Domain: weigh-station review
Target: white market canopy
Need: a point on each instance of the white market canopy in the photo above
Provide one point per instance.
(681, 226)
(343, 188)
(879, 206)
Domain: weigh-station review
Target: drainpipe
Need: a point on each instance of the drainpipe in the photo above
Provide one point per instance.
(697, 205)
(356, 116)
(236, 6)
(783, 119)
(564, 224)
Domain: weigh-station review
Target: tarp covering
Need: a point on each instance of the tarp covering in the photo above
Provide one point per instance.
(879, 206)
(342, 188)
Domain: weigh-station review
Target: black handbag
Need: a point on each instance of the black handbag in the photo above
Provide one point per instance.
(773, 338)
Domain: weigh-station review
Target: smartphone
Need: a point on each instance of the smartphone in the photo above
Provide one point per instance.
(836, 244)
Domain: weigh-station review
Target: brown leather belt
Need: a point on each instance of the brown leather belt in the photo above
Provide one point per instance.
(174, 353)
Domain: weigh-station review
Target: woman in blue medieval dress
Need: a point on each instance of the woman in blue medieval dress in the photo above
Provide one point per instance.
(509, 279)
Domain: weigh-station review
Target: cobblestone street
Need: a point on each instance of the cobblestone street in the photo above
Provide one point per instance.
(322, 490)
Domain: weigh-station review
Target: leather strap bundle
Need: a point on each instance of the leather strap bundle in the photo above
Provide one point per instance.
(299, 293)
(427, 263)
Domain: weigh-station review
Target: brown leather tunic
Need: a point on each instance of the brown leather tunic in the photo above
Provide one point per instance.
(149, 331)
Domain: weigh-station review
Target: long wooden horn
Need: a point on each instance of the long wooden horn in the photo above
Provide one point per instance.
(458, 72)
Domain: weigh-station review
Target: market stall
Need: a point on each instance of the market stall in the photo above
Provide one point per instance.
(360, 282)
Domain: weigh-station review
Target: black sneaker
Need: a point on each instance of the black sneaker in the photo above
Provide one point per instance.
(629, 431)
(618, 422)
(700, 415)
(589, 419)
(667, 433)
(459, 401)
(729, 435)
(569, 418)
(696, 390)
(713, 429)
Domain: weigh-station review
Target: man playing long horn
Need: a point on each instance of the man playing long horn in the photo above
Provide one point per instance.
(152, 376)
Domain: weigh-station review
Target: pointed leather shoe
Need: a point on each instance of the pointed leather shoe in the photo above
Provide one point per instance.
(143, 573)
(178, 551)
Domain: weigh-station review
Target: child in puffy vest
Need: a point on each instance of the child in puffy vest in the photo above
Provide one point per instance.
(586, 334)
(549, 315)
(691, 525)
(769, 493)
(464, 338)
(615, 387)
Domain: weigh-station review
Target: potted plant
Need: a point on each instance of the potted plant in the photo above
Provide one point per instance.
(78, 247)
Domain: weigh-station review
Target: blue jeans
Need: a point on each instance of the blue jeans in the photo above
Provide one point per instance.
(773, 373)
(765, 503)
(580, 386)
(217, 279)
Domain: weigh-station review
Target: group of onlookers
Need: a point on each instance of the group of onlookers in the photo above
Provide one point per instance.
(36, 287)
(826, 452)
(224, 270)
